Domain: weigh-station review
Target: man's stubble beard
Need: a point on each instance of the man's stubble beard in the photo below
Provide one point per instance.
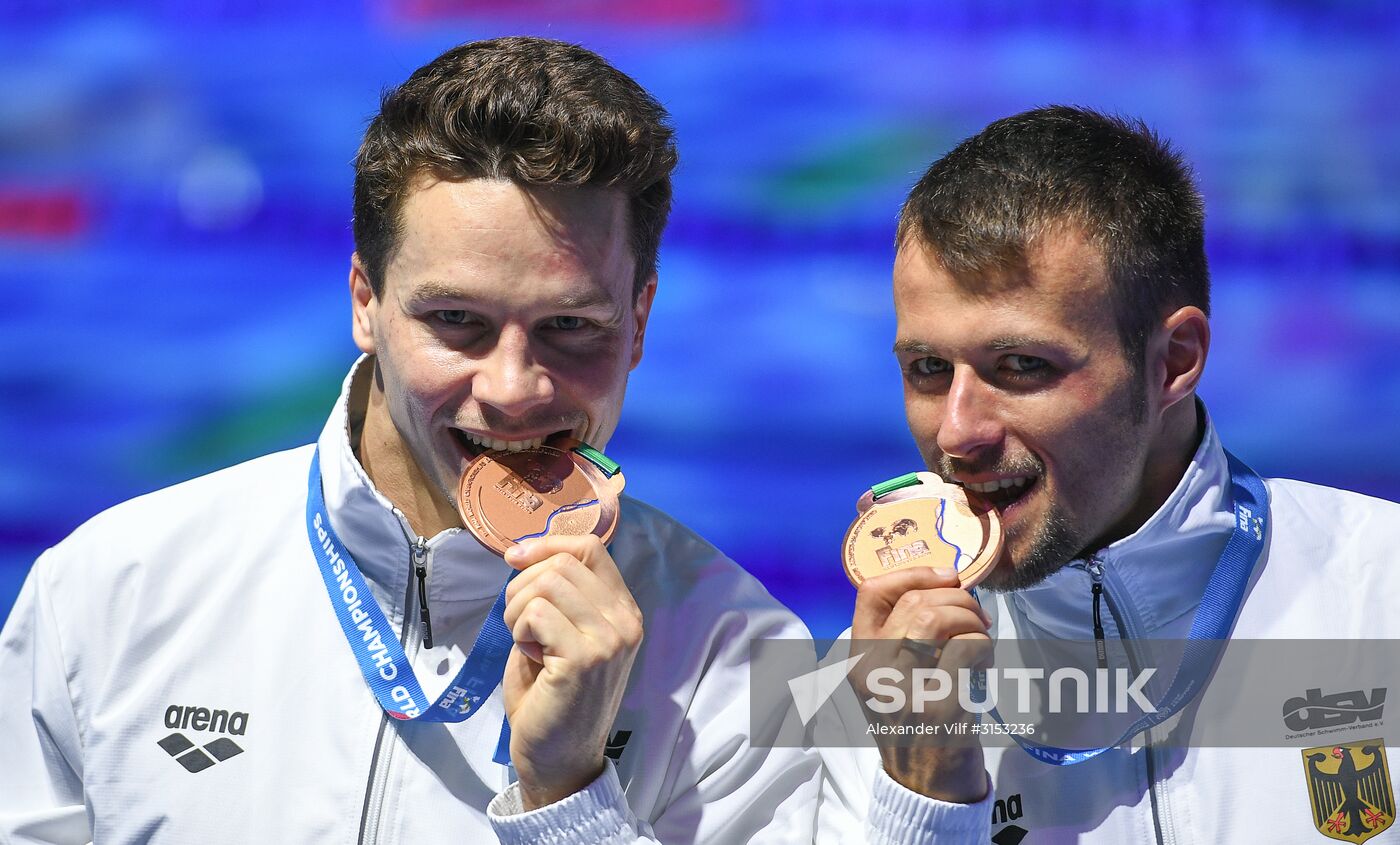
(1058, 540)
(1053, 545)
(1053, 542)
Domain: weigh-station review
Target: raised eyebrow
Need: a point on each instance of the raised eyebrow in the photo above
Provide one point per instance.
(912, 347)
(431, 291)
(434, 291)
(1018, 342)
(999, 344)
(579, 302)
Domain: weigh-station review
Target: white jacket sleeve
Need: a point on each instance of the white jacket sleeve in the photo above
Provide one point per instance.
(724, 789)
(41, 773)
(860, 802)
(597, 815)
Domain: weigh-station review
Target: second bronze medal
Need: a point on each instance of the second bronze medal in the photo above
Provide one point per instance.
(920, 520)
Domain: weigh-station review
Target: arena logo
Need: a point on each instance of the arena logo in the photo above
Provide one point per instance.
(1005, 811)
(187, 718)
(204, 719)
(1313, 710)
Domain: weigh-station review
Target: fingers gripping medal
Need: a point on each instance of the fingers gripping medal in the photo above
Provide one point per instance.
(569, 488)
(920, 520)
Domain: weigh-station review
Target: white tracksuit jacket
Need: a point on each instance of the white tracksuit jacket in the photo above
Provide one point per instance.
(173, 672)
(1330, 569)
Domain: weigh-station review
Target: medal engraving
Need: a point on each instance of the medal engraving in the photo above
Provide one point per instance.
(514, 488)
(928, 523)
(507, 497)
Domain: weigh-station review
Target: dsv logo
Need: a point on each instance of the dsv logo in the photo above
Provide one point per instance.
(1314, 710)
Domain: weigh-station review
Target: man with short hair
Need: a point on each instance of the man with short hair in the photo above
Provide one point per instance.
(175, 670)
(1052, 300)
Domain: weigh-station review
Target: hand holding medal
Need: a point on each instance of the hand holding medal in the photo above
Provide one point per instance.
(573, 624)
(915, 549)
(921, 520)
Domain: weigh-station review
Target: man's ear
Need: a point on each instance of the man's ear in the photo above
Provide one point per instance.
(1179, 354)
(364, 306)
(641, 311)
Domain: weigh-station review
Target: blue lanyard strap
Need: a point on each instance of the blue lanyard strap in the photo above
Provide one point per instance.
(372, 640)
(1215, 617)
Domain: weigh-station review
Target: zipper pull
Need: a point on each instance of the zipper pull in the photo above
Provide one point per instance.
(1100, 649)
(420, 566)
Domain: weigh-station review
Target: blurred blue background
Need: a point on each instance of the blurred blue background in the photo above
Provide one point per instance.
(175, 202)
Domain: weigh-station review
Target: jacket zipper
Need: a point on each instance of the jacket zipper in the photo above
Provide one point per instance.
(420, 566)
(1096, 575)
(383, 756)
(1127, 631)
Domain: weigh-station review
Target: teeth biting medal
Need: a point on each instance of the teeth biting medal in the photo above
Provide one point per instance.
(919, 519)
(569, 488)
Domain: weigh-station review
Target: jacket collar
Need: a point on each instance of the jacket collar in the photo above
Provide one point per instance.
(1156, 575)
(376, 532)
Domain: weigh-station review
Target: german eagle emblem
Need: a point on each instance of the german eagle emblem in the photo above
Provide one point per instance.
(1349, 787)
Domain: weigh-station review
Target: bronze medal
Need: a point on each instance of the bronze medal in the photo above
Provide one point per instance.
(921, 520)
(507, 497)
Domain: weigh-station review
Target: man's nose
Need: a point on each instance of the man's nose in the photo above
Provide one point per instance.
(510, 379)
(970, 419)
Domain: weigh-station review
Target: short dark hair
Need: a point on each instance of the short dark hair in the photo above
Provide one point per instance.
(983, 204)
(534, 111)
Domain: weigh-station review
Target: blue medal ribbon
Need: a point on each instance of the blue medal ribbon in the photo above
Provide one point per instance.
(381, 657)
(1215, 617)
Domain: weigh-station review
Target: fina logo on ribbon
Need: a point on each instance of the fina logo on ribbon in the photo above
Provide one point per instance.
(1250, 523)
(456, 694)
